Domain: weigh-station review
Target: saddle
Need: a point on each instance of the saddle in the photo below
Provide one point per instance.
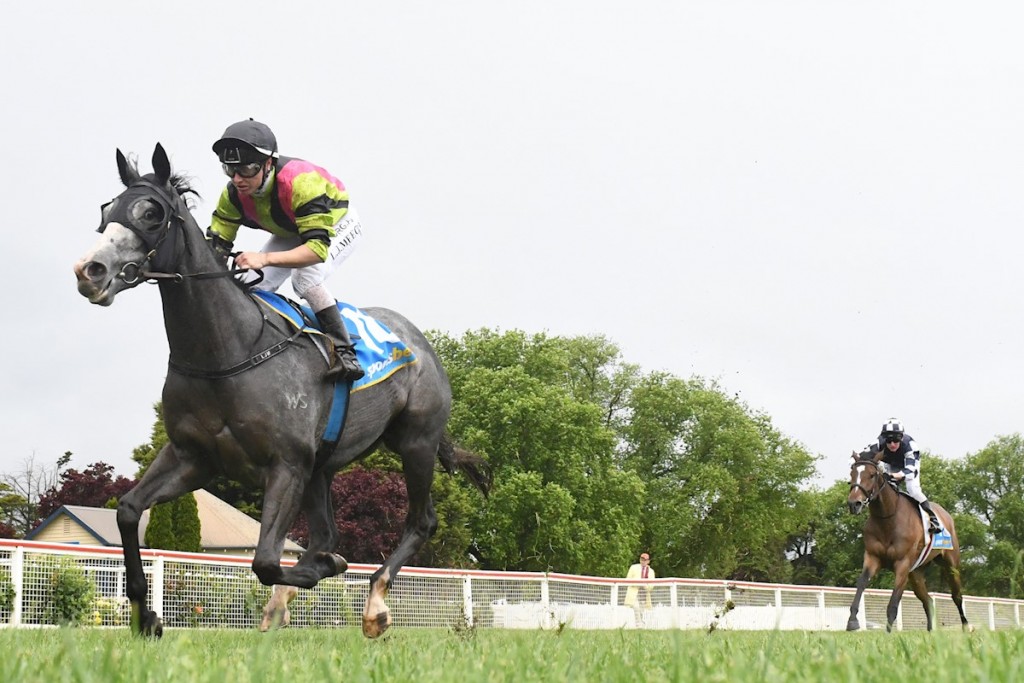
(940, 541)
(379, 351)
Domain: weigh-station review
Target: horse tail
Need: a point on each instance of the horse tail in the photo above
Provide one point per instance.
(476, 469)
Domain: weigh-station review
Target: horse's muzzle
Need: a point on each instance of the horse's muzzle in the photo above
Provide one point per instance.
(93, 282)
(855, 506)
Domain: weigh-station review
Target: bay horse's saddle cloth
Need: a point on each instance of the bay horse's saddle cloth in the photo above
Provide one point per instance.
(939, 541)
(380, 352)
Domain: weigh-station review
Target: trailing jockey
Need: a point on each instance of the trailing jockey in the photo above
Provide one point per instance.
(904, 460)
(307, 212)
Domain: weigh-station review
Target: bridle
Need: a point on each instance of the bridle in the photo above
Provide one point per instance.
(133, 273)
(161, 246)
(878, 476)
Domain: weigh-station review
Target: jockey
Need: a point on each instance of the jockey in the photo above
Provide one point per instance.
(904, 458)
(305, 209)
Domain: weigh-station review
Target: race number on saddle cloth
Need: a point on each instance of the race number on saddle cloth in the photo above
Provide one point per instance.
(380, 352)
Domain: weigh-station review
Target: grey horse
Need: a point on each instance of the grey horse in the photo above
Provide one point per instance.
(245, 397)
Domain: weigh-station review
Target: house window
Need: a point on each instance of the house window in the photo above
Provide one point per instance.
(66, 529)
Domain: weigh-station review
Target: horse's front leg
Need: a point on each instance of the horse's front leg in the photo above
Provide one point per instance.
(318, 558)
(284, 495)
(901, 570)
(167, 478)
(870, 567)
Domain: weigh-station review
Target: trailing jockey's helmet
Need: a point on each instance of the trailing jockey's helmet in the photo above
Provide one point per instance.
(892, 428)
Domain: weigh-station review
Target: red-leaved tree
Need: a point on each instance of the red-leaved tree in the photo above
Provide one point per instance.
(369, 509)
(96, 486)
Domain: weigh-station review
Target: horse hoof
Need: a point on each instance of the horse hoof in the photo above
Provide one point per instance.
(852, 625)
(152, 626)
(373, 627)
(340, 564)
(275, 619)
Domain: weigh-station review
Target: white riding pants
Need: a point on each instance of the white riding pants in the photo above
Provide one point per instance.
(309, 281)
(914, 489)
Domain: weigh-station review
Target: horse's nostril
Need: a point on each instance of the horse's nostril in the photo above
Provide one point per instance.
(95, 271)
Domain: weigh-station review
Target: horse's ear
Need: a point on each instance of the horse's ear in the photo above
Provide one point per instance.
(125, 170)
(853, 457)
(161, 164)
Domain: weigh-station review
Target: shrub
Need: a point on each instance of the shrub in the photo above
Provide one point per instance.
(7, 593)
(71, 594)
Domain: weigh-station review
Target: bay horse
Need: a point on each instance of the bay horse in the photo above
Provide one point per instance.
(245, 397)
(895, 538)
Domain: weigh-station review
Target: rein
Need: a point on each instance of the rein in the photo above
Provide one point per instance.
(134, 273)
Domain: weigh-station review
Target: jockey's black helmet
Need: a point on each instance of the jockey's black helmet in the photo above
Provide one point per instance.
(246, 141)
(893, 428)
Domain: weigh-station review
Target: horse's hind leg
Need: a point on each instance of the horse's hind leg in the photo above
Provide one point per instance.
(920, 588)
(418, 458)
(950, 565)
(167, 478)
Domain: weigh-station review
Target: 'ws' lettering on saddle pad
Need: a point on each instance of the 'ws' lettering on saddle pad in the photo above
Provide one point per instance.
(379, 351)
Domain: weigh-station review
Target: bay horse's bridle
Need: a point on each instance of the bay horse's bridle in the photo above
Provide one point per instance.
(878, 477)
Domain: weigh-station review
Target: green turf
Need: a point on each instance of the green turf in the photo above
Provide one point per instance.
(415, 655)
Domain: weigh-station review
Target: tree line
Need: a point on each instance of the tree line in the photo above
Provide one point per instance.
(595, 460)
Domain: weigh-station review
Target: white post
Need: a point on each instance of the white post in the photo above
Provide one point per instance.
(156, 598)
(673, 601)
(991, 616)
(467, 599)
(822, 620)
(899, 615)
(18, 579)
(778, 608)
(546, 621)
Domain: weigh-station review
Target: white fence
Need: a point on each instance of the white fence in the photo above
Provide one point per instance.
(196, 590)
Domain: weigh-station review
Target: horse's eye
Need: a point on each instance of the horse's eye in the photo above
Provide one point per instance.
(145, 213)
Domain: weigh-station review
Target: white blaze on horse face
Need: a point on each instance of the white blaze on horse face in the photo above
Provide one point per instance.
(97, 271)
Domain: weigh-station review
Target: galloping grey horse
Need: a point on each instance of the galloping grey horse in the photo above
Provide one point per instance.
(245, 397)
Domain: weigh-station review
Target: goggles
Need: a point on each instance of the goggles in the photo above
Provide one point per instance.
(892, 438)
(244, 170)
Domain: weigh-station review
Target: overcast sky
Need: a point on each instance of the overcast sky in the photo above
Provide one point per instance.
(818, 204)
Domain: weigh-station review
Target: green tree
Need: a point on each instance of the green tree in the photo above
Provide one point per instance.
(175, 525)
(989, 486)
(547, 407)
(723, 484)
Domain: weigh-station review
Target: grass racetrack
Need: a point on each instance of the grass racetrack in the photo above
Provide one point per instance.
(415, 655)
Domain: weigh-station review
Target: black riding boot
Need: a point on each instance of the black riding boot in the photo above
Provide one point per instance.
(934, 527)
(345, 365)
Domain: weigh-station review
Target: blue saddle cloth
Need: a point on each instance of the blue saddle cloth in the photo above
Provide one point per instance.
(379, 351)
